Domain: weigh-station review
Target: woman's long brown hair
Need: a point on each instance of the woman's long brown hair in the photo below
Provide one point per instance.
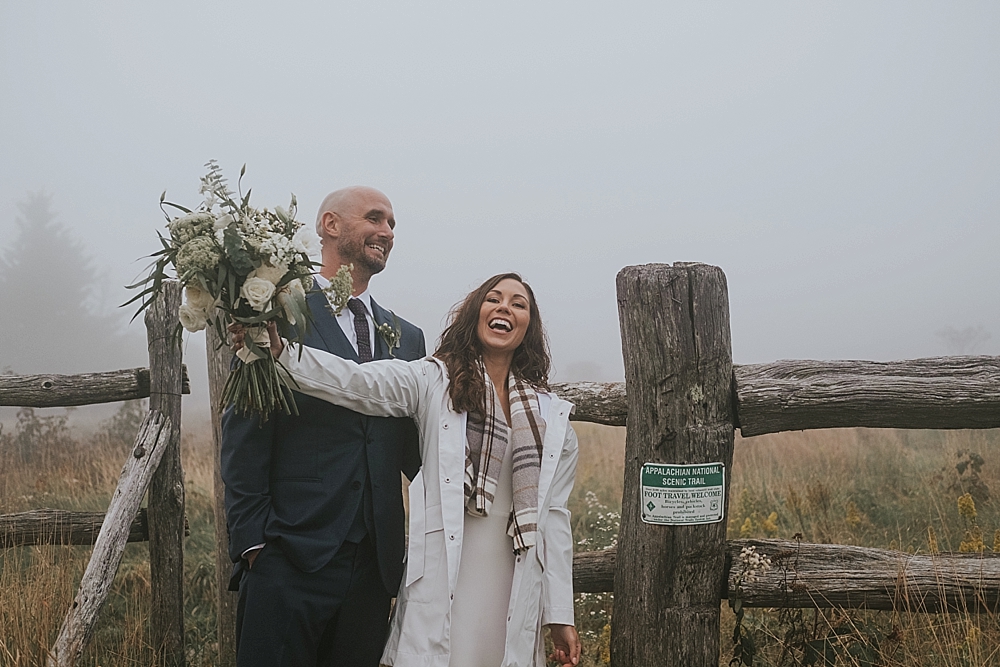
(460, 349)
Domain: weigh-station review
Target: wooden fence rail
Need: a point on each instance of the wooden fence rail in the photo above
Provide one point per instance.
(48, 526)
(937, 392)
(63, 391)
(934, 392)
(837, 575)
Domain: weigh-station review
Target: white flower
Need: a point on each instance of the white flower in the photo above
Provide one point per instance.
(306, 242)
(272, 274)
(193, 319)
(257, 292)
(224, 221)
(198, 298)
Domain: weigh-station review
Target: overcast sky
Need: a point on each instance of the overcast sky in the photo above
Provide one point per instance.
(840, 161)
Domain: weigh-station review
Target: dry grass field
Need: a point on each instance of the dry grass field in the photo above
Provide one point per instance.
(890, 489)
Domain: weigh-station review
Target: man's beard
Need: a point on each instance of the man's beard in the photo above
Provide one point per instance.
(354, 253)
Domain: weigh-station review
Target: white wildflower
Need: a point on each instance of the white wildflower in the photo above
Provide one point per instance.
(754, 564)
(279, 248)
(306, 242)
(224, 221)
(258, 292)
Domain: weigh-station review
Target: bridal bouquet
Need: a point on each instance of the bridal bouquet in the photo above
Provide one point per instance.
(243, 265)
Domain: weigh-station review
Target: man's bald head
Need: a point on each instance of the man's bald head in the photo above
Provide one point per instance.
(341, 201)
(355, 226)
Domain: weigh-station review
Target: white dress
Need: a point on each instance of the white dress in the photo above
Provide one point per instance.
(485, 575)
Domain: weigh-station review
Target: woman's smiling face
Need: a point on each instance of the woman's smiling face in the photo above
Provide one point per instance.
(504, 317)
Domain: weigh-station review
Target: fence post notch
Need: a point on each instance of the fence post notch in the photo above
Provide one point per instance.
(678, 373)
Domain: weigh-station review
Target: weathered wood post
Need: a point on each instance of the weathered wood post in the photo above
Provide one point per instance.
(166, 491)
(218, 373)
(678, 374)
(78, 626)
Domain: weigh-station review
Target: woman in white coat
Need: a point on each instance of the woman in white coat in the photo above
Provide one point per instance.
(489, 561)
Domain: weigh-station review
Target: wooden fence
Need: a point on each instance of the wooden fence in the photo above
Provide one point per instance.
(685, 399)
(153, 463)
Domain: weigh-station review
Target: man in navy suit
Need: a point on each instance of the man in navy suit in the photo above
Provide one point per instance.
(314, 502)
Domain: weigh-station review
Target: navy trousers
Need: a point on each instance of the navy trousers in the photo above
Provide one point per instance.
(336, 617)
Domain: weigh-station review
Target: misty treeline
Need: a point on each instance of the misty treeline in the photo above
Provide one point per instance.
(56, 314)
(38, 437)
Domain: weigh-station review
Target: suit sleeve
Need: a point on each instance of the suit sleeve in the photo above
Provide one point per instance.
(383, 388)
(246, 463)
(557, 578)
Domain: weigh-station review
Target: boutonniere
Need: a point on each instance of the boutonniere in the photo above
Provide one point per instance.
(391, 334)
(339, 291)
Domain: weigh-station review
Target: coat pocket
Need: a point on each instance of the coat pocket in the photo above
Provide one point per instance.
(431, 584)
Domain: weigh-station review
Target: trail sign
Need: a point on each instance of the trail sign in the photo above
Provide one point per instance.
(674, 495)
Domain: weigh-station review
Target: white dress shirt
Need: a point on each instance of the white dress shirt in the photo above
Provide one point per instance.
(346, 317)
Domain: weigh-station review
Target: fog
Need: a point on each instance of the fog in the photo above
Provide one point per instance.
(839, 161)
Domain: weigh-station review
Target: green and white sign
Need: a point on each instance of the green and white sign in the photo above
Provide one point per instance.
(677, 495)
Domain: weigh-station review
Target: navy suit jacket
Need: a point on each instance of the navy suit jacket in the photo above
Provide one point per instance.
(296, 482)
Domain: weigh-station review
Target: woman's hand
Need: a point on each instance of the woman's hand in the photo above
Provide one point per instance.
(237, 332)
(567, 644)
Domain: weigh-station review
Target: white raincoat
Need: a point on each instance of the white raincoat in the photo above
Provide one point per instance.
(542, 590)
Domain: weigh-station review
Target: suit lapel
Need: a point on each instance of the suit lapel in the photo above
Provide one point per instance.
(329, 335)
(381, 316)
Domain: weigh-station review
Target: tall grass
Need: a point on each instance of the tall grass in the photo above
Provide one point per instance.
(44, 464)
(888, 489)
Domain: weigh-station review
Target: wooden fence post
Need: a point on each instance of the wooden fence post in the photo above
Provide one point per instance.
(166, 491)
(218, 372)
(77, 627)
(678, 374)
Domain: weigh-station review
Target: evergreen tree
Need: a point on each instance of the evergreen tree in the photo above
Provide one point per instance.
(50, 317)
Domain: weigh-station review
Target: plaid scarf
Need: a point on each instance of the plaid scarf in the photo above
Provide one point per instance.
(487, 438)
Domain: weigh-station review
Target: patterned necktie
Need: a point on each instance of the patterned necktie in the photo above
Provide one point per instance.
(361, 329)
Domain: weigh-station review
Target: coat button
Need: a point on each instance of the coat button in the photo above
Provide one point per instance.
(451, 537)
(355, 485)
(447, 480)
(445, 426)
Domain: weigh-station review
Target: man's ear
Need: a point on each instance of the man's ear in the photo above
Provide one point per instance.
(331, 224)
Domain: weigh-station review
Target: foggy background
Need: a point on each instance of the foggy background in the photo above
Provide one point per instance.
(839, 161)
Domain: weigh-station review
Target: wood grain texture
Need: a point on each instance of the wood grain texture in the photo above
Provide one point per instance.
(218, 373)
(51, 526)
(594, 571)
(678, 370)
(166, 491)
(837, 575)
(150, 444)
(937, 392)
(57, 391)
(598, 402)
